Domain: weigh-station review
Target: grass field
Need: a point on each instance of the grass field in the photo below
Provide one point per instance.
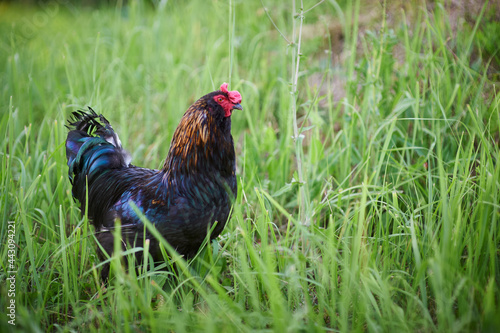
(368, 164)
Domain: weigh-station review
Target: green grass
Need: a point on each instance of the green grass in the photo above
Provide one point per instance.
(383, 215)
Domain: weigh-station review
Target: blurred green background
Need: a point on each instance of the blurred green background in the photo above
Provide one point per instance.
(368, 174)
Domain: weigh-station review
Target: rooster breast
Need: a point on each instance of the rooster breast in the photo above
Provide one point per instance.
(183, 217)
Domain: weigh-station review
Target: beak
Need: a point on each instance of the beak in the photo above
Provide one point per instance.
(237, 106)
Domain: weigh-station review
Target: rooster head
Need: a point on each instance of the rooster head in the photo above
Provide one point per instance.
(227, 100)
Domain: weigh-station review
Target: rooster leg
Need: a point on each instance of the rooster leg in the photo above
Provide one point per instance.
(106, 241)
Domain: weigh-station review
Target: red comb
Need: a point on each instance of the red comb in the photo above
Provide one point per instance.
(234, 96)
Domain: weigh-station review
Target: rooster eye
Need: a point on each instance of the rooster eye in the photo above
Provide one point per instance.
(219, 99)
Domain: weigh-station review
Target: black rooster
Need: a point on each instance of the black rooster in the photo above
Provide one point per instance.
(193, 190)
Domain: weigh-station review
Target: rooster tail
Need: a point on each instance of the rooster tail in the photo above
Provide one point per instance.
(92, 147)
(89, 121)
